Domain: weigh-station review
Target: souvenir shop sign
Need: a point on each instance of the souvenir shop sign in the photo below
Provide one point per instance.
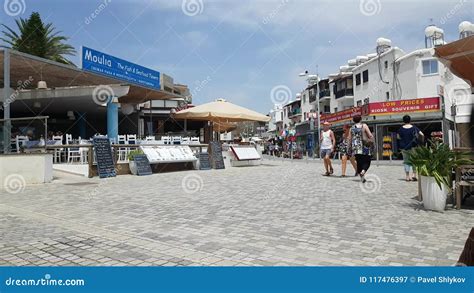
(403, 106)
(341, 115)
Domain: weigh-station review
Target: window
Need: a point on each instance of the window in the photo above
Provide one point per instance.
(365, 76)
(358, 79)
(335, 110)
(327, 109)
(387, 96)
(349, 83)
(359, 103)
(430, 66)
(386, 64)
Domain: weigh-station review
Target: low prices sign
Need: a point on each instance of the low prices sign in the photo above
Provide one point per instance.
(404, 106)
(341, 115)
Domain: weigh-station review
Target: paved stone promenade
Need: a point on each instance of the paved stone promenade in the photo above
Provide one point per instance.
(280, 213)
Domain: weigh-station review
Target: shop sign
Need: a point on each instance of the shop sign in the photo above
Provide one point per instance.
(341, 115)
(110, 66)
(403, 106)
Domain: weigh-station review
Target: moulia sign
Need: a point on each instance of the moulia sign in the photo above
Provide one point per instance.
(110, 66)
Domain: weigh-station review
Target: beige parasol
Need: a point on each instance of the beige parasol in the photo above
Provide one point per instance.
(220, 111)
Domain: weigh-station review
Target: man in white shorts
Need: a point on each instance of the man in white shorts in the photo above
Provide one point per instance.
(328, 144)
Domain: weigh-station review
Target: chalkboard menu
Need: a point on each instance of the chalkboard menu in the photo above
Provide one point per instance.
(217, 161)
(105, 161)
(204, 163)
(143, 165)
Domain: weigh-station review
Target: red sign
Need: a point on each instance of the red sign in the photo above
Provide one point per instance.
(403, 106)
(341, 115)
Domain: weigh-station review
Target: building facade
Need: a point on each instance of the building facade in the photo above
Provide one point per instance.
(383, 87)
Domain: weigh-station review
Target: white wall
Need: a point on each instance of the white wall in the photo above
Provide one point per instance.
(375, 89)
(25, 169)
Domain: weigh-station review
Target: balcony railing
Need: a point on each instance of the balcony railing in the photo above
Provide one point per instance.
(324, 93)
(312, 98)
(344, 92)
(294, 112)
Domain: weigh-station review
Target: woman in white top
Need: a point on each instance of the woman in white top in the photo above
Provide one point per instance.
(328, 143)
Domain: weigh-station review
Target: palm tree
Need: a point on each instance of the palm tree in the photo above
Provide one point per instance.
(38, 39)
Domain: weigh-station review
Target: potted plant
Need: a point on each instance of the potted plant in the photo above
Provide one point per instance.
(131, 162)
(434, 163)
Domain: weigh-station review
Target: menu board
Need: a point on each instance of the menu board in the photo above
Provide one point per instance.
(217, 160)
(143, 165)
(204, 163)
(168, 154)
(245, 153)
(105, 161)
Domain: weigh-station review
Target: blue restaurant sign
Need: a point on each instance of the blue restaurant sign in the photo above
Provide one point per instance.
(110, 66)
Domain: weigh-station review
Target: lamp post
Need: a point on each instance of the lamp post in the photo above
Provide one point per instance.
(314, 79)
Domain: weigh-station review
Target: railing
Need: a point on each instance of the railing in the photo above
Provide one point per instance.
(344, 92)
(324, 93)
(295, 112)
(115, 147)
(312, 98)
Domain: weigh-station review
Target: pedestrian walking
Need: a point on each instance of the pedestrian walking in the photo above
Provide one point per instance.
(345, 151)
(362, 142)
(408, 137)
(328, 144)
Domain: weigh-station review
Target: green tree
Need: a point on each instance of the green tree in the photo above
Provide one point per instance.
(36, 38)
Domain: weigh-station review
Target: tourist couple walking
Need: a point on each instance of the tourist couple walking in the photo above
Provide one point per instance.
(356, 146)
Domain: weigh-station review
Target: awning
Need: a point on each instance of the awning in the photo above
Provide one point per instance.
(58, 75)
(458, 56)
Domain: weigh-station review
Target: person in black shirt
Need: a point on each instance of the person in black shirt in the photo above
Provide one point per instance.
(408, 137)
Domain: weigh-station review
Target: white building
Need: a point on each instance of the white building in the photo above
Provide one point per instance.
(383, 87)
(275, 124)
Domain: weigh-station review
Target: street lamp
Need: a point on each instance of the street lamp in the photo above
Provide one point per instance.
(313, 79)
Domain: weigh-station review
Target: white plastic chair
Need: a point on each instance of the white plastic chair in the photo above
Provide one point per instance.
(166, 139)
(176, 140)
(131, 139)
(20, 140)
(58, 152)
(84, 151)
(195, 140)
(149, 138)
(72, 153)
(122, 151)
(186, 140)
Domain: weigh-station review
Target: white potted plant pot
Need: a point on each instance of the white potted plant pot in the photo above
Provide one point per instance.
(434, 198)
(133, 167)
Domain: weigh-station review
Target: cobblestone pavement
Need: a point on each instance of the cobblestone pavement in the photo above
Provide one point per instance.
(280, 213)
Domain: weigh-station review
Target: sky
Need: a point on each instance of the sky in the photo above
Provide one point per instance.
(242, 50)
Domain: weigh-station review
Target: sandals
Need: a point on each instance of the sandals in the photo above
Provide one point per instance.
(414, 179)
(327, 174)
(331, 171)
